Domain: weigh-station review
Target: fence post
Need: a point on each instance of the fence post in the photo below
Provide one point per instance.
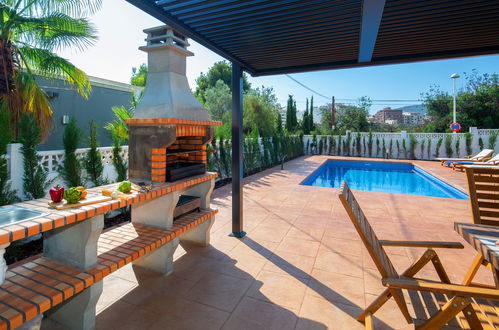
(16, 164)
(474, 142)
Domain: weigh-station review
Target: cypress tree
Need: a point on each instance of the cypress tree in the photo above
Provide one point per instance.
(291, 115)
(311, 126)
(279, 123)
(305, 125)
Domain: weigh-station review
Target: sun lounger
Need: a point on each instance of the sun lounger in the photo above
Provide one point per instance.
(481, 156)
(494, 161)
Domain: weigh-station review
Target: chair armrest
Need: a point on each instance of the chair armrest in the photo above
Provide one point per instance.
(426, 244)
(443, 288)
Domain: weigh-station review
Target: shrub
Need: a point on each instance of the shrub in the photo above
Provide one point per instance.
(390, 148)
(35, 181)
(357, 144)
(429, 148)
(364, 144)
(492, 140)
(93, 160)
(331, 145)
(480, 142)
(384, 149)
(314, 144)
(348, 142)
(321, 145)
(119, 163)
(422, 148)
(448, 145)
(468, 137)
(412, 146)
(405, 148)
(71, 169)
(458, 144)
(370, 143)
(439, 144)
(7, 195)
(398, 149)
(339, 145)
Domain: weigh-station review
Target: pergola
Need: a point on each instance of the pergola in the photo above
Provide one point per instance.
(286, 36)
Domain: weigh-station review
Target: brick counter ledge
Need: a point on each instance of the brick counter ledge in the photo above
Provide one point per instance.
(70, 244)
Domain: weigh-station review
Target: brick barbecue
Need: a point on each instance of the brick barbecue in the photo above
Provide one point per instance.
(170, 129)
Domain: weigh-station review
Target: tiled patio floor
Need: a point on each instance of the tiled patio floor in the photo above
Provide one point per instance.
(301, 265)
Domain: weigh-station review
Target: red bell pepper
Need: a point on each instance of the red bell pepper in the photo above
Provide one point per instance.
(56, 193)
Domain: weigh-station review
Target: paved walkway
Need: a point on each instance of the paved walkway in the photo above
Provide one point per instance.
(301, 265)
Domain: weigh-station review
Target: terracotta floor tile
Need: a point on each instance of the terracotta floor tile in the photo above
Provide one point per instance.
(319, 313)
(343, 246)
(121, 315)
(298, 246)
(306, 232)
(269, 233)
(333, 262)
(280, 289)
(242, 266)
(114, 289)
(291, 264)
(219, 291)
(337, 288)
(255, 314)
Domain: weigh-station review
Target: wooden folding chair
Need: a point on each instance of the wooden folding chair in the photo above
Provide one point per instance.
(394, 282)
(483, 189)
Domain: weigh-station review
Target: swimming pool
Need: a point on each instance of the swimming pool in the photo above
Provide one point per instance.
(397, 178)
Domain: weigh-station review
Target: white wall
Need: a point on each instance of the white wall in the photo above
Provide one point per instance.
(477, 134)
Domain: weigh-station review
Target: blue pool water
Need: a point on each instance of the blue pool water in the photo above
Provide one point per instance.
(397, 178)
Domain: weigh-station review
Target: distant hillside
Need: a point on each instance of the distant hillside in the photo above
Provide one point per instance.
(419, 108)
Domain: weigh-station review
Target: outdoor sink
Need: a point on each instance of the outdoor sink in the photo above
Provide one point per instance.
(15, 214)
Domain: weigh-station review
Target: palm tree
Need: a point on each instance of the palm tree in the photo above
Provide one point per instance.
(31, 32)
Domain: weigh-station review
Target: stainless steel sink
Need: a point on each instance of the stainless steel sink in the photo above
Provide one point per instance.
(15, 214)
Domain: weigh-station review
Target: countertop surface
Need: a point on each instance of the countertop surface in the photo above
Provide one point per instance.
(60, 218)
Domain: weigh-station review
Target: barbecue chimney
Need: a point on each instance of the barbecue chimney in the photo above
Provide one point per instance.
(170, 128)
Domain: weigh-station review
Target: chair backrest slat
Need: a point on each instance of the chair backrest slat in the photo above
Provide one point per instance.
(483, 188)
(366, 233)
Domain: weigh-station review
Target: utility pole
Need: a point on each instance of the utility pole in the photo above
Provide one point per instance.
(333, 119)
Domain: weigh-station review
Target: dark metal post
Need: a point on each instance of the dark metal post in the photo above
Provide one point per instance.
(237, 151)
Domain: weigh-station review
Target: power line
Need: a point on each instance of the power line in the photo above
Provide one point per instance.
(304, 86)
(338, 99)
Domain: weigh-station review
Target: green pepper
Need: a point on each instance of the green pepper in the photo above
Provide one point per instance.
(125, 187)
(72, 195)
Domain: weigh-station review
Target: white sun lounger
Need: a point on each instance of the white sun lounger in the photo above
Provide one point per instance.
(479, 157)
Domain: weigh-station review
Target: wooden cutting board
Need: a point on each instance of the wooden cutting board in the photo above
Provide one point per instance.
(86, 201)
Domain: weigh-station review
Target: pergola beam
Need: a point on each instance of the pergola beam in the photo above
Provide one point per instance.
(372, 12)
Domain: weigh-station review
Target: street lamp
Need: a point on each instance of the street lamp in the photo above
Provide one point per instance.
(454, 76)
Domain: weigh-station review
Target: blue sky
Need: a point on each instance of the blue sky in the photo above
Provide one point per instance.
(120, 28)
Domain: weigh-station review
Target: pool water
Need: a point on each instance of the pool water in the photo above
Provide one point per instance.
(397, 178)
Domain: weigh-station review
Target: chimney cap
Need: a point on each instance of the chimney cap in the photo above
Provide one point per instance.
(165, 35)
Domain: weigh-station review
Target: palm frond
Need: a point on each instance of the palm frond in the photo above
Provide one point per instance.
(55, 32)
(28, 97)
(118, 127)
(75, 8)
(51, 65)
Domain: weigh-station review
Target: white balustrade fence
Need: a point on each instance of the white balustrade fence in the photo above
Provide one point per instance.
(390, 145)
(51, 160)
(398, 145)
